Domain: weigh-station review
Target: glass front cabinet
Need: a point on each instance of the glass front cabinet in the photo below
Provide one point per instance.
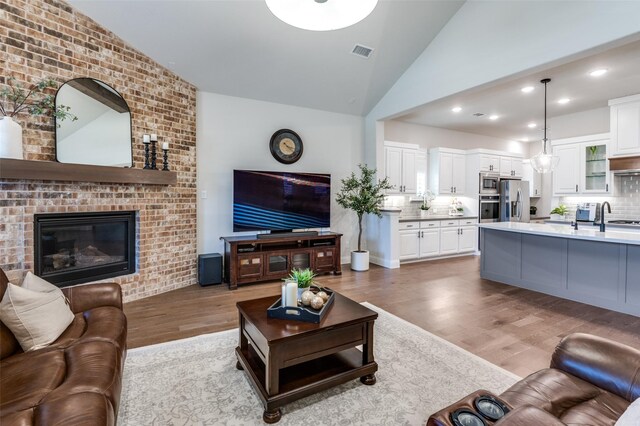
(595, 168)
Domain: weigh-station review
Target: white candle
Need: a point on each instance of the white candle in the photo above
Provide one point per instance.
(145, 138)
(165, 145)
(154, 137)
(292, 294)
(284, 295)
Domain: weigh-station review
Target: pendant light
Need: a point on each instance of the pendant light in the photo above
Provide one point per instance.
(543, 162)
(321, 15)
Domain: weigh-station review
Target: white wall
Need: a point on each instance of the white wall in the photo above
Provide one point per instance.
(583, 123)
(432, 137)
(234, 133)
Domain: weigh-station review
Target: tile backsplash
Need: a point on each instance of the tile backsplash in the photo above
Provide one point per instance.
(439, 206)
(624, 205)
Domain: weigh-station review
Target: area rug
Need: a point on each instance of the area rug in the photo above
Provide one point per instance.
(194, 382)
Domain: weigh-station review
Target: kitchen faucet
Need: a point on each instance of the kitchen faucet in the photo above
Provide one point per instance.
(602, 214)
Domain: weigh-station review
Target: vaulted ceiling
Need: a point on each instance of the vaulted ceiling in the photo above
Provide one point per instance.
(238, 48)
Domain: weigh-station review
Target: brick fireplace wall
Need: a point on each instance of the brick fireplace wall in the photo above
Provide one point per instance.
(48, 38)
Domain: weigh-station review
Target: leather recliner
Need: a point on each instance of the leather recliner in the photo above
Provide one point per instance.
(77, 379)
(591, 381)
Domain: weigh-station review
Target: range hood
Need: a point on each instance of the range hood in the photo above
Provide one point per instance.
(625, 165)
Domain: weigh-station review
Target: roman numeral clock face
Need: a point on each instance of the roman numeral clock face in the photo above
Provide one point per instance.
(286, 146)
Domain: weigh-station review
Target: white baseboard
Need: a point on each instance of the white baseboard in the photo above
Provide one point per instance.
(384, 262)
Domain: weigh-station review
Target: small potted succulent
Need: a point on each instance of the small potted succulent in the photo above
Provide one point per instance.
(16, 99)
(304, 277)
(559, 213)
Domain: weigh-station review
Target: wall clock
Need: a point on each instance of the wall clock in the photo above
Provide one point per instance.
(286, 146)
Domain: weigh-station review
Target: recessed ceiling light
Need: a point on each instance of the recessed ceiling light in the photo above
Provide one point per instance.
(525, 139)
(494, 117)
(564, 101)
(527, 89)
(532, 125)
(456, 109)
(599, 72)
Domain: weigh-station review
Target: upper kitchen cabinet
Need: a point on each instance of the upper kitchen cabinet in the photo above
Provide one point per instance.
(447, 171)
(583, 167)
(533, 177)
(625, 125)
(489, 163)
(510, 167)
(405, 166)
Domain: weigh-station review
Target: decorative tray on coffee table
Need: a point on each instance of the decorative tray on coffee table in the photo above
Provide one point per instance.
(301, 312)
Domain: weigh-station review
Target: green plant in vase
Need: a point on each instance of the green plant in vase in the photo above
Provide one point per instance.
(36, 100)
(304, 277)
(561, 210)
(593, 150)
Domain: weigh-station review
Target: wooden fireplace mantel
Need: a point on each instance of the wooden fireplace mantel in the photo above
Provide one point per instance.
(51, 170)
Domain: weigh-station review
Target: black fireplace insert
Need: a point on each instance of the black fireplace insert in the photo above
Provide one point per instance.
(75, 248)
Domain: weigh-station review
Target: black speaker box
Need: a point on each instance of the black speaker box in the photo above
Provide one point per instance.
(209, 269)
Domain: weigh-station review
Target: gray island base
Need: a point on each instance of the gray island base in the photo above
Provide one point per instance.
(600, 269)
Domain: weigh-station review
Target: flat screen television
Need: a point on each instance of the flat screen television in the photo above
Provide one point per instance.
(280, 201)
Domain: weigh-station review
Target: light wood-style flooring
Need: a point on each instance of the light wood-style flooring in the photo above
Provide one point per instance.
(514, 328)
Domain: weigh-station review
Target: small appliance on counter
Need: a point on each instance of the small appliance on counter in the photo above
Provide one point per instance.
(588, 212)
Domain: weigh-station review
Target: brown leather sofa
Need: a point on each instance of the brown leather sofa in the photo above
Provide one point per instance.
(591, 381)
(77, 379)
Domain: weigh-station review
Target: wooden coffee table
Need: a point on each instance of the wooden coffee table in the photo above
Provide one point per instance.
(288, 360)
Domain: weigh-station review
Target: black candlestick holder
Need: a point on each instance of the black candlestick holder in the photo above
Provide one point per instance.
(154, 155)
(146, 156)
(165, 160)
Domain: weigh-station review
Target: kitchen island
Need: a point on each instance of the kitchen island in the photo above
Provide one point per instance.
(597, 268)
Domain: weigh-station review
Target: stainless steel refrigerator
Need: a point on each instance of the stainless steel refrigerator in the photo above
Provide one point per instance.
(514, 200)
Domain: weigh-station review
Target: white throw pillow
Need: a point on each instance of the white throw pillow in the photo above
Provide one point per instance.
(631, 416)
(36, 313)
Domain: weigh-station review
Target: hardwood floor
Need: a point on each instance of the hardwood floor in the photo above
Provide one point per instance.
(508, 326)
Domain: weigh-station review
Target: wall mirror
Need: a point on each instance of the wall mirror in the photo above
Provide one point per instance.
(102, 133)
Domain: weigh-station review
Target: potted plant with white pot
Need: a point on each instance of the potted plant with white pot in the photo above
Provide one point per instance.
(364, 196)
(35, 100)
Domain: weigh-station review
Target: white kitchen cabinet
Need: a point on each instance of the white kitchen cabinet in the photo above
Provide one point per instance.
(449, 240)
(566, 176)
(393, 167)
(583, 167)
(468, 239)
(409, 244)
(510, 167)
(625, 125)
(405, 168)
(533, 177)
(409, 240)
(429, 242)
(447, 171)
(489, 163)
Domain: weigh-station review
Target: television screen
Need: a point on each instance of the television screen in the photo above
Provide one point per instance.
(279, 201)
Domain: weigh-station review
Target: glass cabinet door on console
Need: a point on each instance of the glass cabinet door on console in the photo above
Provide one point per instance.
(278, 264)
(301, 260)
(596, 173)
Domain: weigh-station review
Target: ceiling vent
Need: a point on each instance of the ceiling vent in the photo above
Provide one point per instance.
(362, 51)
(478, 114)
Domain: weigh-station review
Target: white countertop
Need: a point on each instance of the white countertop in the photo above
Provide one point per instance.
(434, 217)
(566, 231)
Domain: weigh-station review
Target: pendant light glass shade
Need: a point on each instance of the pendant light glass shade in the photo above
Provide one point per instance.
(321, 15)
(544, 162)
